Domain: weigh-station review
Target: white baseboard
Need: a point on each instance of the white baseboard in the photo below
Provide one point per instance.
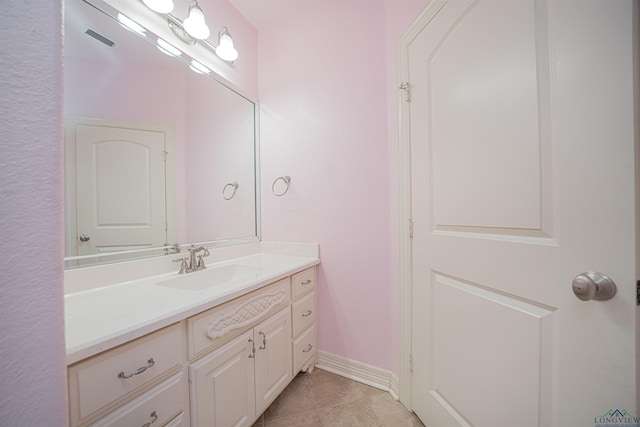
(358, 371)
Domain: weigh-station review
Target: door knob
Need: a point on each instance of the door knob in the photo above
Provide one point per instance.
(593, 285)
(84, 238)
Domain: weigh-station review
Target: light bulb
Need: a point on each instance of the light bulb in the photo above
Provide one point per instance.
(198, 67)
(225, 50)
(160, 6)
(167, 48)
(194, 24)
(130, 24)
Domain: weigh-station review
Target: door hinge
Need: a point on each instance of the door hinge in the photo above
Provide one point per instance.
(638, 292)
(406, 86)
(411, 363)
(410, 228)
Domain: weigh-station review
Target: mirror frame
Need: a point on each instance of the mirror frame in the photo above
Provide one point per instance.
(72, 262)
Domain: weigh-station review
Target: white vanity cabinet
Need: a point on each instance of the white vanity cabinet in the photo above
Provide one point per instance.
(233, 383)
(135, 383)
(273, 358)
(221, 367)
(304, 320)
(223, 385)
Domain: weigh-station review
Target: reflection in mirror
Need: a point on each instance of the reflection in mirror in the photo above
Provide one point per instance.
(152, 146)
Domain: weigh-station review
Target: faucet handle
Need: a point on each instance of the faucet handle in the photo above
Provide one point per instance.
(171, 248)
(200, 265)
(183, 265)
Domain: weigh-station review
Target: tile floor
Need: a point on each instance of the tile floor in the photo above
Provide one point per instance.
(323, 399)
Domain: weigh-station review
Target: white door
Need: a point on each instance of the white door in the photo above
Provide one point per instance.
(522, 177)
(120, 186)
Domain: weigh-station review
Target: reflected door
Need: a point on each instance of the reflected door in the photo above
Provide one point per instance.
(522, 177)
(120, 187)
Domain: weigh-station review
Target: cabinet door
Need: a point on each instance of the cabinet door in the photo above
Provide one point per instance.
(273, 358)
(223, 386)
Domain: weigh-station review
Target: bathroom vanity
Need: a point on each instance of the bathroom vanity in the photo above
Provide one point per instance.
(147, 346)
(209, 348)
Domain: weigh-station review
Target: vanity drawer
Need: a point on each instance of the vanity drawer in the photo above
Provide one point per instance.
(220, 324)
(178, 421)
(303, 282)
(304, 348)
(103, 379)
(304, 313)
(157, 406)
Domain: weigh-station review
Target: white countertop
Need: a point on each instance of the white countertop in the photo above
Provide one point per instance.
(101, 318)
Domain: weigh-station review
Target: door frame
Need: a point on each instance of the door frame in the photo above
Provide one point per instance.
(404, 195)
(403, 85)
(71, 220)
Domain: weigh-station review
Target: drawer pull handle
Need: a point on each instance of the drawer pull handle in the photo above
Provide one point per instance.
(154, 418)
(306, 282)
(264, 341)
(308, 349)
(253, 349)
(140, 370)
(307, 314)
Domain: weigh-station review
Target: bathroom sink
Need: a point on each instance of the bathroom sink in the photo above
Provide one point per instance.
(204, 279)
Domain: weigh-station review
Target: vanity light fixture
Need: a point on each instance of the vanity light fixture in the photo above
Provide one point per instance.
(225, 50)
(160, 6)
(194, 24)
(176, 27)
(167, 48)
(194, 28)
(198, 67)
(131, 25)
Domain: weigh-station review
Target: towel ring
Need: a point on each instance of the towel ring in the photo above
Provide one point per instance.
(233, 185)
(286, 179)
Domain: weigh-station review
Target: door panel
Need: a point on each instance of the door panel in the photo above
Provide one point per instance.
(222, 385)
(484, 109)
(483, 341)
(273, 358)
(507, 207)
(120, 186)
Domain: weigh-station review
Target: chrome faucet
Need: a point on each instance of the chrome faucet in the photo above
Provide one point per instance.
(197, 262)
(194, 262)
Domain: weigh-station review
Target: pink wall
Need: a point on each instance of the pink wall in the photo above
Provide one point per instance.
(32, 350)
(221, 135)
(328, 96)
(113, 89)
(129, 92)
(244, 71)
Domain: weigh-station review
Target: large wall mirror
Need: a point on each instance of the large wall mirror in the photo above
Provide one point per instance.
(157, 152)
